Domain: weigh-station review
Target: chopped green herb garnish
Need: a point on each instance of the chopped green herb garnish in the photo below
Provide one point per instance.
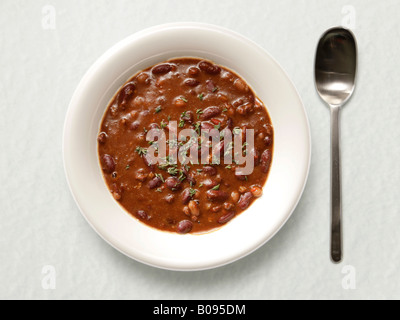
(141, 151)
(225, 110)
(192, 192)
(182, 177)
(201, 185)
(218, 126)
(216, 187)
(127, 167)
(197, 127)
(236, 131)
(184, 99)
(228, 167)
(201, 96)
(172, 171)
(181, 123)
(199, 170)
(158, 109)
(163, 125)
(159, 190)
(159, 176)
(215, 89)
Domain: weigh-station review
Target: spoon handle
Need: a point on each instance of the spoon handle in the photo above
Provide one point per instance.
(336, 209)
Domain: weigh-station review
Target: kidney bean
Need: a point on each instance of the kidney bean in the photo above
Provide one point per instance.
(217, 195)
(241, 85)
(222, 97)
(193, 71)
(134, 125)
(210, 113)
(210, 171)
(207, 126)
(188, 116)
(256, 191)
(143, 78)
(144, 113)
(179, 102)
(162, 68)
(242, 189)
(266, 160)
(116, 191)
(141, 175)
(142, 215)
(191, 82)
(228, 206)
(209, 183)
(235, 196)
(245, 109)
(209, 68)
(154, 126)
(126, 93)
(186, 211)
(102, 138)
(154, 183)
(216, 209)
(238, 102)
(256, 155)
(192, 181)
(172, 183)
(169, 198)
(185, 226)
(244, 200)
(108, 163)
(138, 102)
(186, 197)
(268, 129)
(210, 86)
(226, 218)
(268, 141)
(194, 208)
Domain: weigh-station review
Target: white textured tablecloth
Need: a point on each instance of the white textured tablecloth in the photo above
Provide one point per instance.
(43, 59)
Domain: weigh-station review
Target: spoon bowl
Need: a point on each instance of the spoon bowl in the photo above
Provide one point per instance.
(335, 78)
(335, 66)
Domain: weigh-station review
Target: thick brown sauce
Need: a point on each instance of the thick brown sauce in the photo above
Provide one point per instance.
(195, 198)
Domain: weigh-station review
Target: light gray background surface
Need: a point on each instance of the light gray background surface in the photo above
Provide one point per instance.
(41, 225)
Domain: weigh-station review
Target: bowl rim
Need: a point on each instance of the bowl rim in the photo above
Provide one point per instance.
(143, 33)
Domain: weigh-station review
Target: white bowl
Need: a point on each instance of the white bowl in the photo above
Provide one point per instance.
(249, 230)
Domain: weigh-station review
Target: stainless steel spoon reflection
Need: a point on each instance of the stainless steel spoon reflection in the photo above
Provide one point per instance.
(335, 77)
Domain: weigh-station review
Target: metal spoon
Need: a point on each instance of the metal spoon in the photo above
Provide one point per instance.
(335, 75)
